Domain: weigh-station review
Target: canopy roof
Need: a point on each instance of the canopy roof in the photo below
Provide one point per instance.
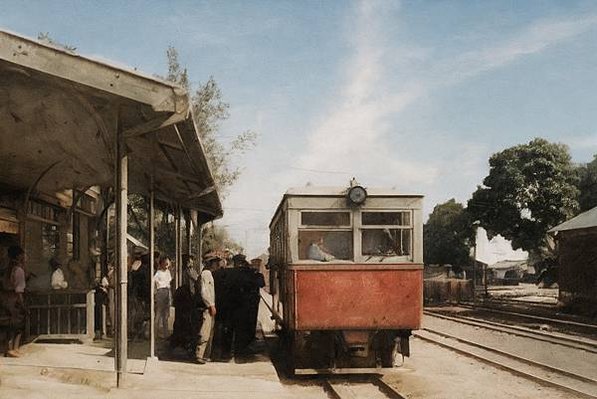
(59, 114)
(585, 220)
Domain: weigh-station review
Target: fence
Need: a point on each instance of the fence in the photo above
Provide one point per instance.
(61, 313)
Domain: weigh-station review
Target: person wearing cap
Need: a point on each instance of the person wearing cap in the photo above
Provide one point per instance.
(208, 295)
(222, 340)
(255, 296)
(57, 279)
(244, 289)
(188, 309)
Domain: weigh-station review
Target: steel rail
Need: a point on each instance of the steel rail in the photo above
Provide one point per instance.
(508, 368)
(514, 356)
(378, 383)
(530, 316)
(387, 389)
(571, 342)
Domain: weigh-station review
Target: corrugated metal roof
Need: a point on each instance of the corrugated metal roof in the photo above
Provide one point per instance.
(585, 220)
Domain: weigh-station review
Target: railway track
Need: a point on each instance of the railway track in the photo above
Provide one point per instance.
(555, 338)
(534, 317)
(579, 385)
(351, 388)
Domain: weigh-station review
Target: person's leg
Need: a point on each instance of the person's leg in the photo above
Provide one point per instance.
(205, 334)
(165, 317)
(16, 345)
(158, 315)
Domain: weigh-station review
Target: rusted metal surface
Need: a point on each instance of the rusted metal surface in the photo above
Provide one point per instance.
(358, 299)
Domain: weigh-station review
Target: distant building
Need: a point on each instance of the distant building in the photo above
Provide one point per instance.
(576, 241)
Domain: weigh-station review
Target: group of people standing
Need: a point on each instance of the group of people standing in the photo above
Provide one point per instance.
(216, 307)
(216, 310)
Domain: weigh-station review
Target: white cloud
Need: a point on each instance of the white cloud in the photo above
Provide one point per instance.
(534, 39)
(355, 133)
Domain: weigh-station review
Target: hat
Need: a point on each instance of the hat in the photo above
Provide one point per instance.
(55, 262)
(239, 258)
(210, 258)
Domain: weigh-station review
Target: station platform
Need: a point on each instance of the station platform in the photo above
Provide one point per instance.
(87, 370)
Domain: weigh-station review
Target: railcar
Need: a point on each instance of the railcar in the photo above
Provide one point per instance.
(346, 277)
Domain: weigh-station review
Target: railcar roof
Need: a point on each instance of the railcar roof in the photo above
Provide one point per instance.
(322, 191)
(341, 191)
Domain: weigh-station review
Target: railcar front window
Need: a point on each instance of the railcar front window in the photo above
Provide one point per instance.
(325, 218)
(386, 218)
(386, 235)
(325, 246)
(386, 242)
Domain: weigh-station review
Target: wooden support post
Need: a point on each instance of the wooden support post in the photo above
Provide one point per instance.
(199, 228)
(177, 280)
(188, 233)
(180, 246)
(151, 269)
(121, 194)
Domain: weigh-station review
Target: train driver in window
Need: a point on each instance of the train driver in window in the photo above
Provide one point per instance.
(318, 251)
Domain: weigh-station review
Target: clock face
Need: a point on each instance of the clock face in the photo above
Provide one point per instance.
(357, 195)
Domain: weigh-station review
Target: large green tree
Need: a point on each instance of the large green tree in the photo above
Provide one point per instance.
(530, 188)
(587, 185)
(447, 235)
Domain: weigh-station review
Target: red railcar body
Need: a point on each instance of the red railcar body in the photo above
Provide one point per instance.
(346, 277)
(360, 297)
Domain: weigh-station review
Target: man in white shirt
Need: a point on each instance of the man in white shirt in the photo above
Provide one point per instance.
(209, 299)
(162, 279)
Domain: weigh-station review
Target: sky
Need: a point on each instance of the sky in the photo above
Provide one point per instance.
(414, 95)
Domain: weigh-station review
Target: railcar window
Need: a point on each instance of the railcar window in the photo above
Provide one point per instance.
(386, 218)
(386, 242)
(325, 246)
(325, 218)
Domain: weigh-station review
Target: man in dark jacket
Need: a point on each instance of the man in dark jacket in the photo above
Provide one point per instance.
(244, 298)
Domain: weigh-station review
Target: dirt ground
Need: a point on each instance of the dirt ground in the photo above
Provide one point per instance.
(51, 371)
(438, 373)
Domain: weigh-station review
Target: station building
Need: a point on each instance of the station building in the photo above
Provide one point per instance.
(77, 136)
(577, 274)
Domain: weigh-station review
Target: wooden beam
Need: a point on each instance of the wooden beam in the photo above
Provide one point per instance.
(33, 55)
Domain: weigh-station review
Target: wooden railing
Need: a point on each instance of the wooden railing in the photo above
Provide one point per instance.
(60, 313)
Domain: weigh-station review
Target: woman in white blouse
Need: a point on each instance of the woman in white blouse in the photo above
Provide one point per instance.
(162, 280)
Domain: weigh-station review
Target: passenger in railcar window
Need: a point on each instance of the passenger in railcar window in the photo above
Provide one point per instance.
(318, 251)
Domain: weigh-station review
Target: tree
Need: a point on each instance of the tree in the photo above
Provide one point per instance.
(210, 110)
(447, 235)
(46, 38)
(587, 185)
(530, 188)
(217, 237)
